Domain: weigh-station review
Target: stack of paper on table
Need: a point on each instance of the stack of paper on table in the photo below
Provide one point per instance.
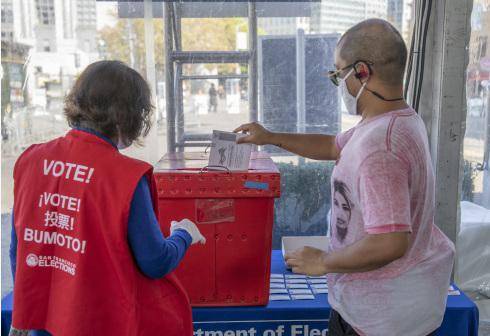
(285, 287)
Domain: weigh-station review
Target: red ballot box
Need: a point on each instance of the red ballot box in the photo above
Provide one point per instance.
(235, 212)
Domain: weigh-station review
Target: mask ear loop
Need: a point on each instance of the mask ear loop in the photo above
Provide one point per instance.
(359, 77)
(361, 90)
(348, 74)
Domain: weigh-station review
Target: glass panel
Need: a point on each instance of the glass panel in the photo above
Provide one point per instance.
(46, 44)
(305, 200)
(39, 69)
(473, 264)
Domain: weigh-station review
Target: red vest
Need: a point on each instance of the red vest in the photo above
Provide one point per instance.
(75, 271)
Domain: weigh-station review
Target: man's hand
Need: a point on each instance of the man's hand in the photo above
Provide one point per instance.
(368, 254)
(307, 260)
(257, 134)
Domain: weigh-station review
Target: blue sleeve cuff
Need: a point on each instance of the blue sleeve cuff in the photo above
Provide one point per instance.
(13, 248)
(184, 235)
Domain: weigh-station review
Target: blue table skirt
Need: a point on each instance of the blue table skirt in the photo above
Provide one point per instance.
(302, 317)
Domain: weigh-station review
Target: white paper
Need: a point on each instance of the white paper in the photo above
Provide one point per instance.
(276, 275)
(454, 292)
(303, 297)
(295, 276)
(291, 281)
(277, 280)
(317, 281)
(300, 291)
(293, 243)
(320, 290)
(277, 285)
(279, 291)
(227, 153)
(279, 298)
(297, 286)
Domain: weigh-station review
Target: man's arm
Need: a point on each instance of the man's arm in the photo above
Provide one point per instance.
(370, 253)
(312, 146)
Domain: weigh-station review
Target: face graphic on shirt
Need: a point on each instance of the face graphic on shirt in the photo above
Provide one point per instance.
(342, 209)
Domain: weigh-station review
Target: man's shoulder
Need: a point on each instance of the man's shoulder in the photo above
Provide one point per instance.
(391, 131)
(395, 134)
(405, 134)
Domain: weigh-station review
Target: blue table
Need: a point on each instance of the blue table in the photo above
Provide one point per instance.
(298, 318)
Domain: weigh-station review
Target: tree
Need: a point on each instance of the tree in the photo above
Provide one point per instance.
(125, 41)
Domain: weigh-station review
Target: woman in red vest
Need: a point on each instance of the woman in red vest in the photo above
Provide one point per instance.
(87, 251)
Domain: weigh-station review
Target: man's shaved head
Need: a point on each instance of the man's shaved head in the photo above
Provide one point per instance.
(377, 41)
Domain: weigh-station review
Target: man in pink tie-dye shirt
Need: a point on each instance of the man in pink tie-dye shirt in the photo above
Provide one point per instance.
(388, 265)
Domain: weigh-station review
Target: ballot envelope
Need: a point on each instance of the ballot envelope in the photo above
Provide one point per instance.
(234, 210)
(293, 243)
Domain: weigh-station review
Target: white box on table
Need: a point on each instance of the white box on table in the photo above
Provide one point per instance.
(293, 243)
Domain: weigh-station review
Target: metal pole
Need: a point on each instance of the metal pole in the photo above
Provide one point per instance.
(232, 76)
(300, 85)
(449, 58)
(211, 56)
(169, 78)
(129, 26)
(486, 155)
(252, 62)
(179, 94)
(153, 153)
(150, 47)
(300, 81)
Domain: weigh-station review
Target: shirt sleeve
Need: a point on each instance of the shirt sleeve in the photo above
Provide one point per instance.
(384, 194)
(13, 248)
(154, 255)
(342, 138)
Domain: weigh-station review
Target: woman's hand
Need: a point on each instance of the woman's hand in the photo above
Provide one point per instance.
(307, 260)
(190, 228)
(257, 134)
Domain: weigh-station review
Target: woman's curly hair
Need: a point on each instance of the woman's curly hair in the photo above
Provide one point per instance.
(111, 98)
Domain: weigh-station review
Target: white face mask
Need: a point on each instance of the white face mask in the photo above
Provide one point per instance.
(349, 100)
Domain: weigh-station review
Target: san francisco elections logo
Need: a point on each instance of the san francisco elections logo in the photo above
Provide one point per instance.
(32, 260)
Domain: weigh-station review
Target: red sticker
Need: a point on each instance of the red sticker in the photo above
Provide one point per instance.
(212, 211)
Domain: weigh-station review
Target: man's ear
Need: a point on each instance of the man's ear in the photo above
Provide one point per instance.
(362, 70)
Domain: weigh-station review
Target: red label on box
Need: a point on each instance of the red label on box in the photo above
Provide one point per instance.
(212, 211)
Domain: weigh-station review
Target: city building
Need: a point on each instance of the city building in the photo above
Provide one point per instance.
(479, 55)
(7, 21)
(401, 14)
(327, 16)
(283, 25)
(336, 16)
(62, 38)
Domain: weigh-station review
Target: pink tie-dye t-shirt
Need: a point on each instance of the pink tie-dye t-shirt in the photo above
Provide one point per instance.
(383, 182)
